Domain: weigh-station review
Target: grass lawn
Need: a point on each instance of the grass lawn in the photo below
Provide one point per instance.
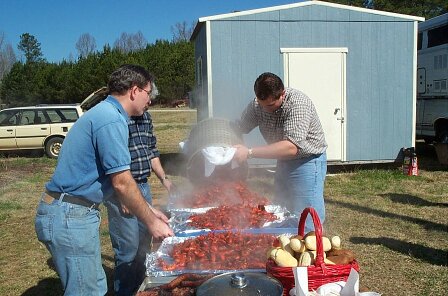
(397, 225)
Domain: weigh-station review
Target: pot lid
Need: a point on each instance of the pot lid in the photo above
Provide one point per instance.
(241, 283)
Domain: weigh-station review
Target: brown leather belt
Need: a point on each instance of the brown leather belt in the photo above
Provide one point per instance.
(50, 196)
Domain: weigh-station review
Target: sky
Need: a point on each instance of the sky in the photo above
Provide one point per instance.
(58, 24)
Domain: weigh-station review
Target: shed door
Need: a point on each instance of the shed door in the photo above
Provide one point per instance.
(320, 73)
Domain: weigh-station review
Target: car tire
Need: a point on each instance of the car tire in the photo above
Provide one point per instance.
(53, 147)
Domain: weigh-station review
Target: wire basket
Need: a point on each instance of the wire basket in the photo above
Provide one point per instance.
(213, 132)
(319, 273)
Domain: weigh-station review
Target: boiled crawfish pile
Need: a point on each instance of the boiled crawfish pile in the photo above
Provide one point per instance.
(232, 217)
(225, 193)
(220, 251)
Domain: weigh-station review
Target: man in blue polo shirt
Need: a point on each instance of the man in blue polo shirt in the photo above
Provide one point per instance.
(94, 162)
(130, 238)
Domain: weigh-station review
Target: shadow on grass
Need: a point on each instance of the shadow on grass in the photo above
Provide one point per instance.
(45, 287)
(23, 153)
(53, 286)
(429, 255)
(412, 200)
(428, 225)
(48, 286)
(336, 168)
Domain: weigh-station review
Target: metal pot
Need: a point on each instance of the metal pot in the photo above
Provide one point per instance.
(239, 283)
(209, 132)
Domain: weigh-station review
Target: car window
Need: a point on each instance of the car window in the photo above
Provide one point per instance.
(9, 117)
(71, 115)
(27, 117)
(33, 117)
(62, 115)
(39, 117)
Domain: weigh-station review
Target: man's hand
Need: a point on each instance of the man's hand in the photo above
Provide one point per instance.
(158, 213)
(159, 229)
(241, 153)
(129, 194)
(168, 184)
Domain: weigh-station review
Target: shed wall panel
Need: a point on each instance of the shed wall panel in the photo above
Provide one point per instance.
(200, 92)
(240, 53)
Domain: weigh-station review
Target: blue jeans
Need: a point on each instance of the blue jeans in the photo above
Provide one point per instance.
(71, 234)
(299, 183)
(131, 241)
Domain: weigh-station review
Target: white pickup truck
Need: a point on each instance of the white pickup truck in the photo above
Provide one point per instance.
(432, 119)
(432, 80)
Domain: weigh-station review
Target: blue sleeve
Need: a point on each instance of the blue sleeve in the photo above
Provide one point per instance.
(112, 147)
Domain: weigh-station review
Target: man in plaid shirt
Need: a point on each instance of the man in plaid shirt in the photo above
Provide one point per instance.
(130, 238)
(289, 123)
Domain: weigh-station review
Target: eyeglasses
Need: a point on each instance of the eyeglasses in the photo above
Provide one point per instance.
(146, 91)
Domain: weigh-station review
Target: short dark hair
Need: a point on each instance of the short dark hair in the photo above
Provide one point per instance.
(267, 85)
(127, 76)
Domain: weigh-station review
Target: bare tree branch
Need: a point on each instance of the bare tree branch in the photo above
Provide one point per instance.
(7, 56)
(85, 45)
(130, 42)
(182, 32)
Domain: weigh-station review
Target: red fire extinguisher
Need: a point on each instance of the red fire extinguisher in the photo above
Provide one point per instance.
(410, 164)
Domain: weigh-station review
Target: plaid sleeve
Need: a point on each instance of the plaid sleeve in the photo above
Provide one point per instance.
(248, 118)
(152, 140)
(297, 124)
(302, 126)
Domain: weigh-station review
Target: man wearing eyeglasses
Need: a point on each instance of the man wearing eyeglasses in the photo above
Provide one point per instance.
(130, 238)
(95, 160)
(289, 123)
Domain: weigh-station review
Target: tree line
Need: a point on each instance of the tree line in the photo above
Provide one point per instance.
(36, 81)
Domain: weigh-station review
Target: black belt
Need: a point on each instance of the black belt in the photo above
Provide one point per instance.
(76, 200)
(142, 181)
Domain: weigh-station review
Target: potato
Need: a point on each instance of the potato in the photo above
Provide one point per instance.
(284, 242)
(306, 258)
(336, 242)
(313, 255)
(284, 259)
(310, 242)
(270, 253)
(297, 245)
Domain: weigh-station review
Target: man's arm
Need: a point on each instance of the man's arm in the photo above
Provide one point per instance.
(128, 194)
(157, 168)
(279, 150)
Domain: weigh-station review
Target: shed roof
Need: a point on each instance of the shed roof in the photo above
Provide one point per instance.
(306, 3)
(301, 4)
